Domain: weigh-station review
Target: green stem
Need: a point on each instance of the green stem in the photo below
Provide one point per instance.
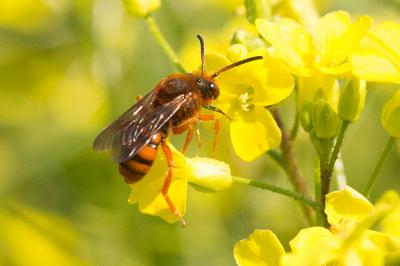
(317, 191)
(337, 146)
(292, 168)
(295, 127)
(155, 30)
(282, 191)
(378, 167)
(277, 158)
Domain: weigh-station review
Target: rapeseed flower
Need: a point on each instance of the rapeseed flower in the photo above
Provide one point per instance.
(348, 241)
(204, 173)
(245, 92)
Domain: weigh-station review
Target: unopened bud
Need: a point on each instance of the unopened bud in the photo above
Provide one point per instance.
(141, 8)
(352, 99)
(326, 122)
(251, 41)
(237, 52)
(391, 116)
(208, 175)
(306, 113)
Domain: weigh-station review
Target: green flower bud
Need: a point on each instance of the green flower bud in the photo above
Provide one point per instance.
(352, 99)
(326, 122)
(257, 9)
(391, 116)
(141, 8)
(208, 175)
(306, 113)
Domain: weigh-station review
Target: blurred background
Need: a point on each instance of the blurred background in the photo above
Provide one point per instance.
(67, 69)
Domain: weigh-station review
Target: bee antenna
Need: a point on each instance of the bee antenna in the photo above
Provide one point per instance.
(241, 62)
(202, 54)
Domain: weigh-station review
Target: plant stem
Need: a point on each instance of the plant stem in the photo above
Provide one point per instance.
(336, 148)
(325, 185)
(295, 127)
(292, 167)
(155, 30)
(317, 191)
(378, 167)
(282, 191)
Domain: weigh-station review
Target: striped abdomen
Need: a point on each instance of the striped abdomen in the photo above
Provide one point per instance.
(136, 168)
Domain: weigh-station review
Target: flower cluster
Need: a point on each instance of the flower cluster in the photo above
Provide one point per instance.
(349, 241)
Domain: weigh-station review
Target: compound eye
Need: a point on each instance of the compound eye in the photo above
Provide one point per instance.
(212, 86)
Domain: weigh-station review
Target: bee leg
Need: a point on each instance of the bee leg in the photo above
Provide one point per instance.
(216, 129)
(198, 134)
(167, 182)
(138, 98)
(188, 138)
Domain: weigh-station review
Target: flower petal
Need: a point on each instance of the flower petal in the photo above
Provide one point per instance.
(313, 246)
(261, 248)
(147, 192)
(346, 204)
(152, 201)
(390, 224)
(291, 42)
(272, 82)
(254, 132)
(337, 37)
(379, 58)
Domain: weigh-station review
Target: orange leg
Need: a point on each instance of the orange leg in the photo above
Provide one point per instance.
(216, 129)
(188, 138)
(197, 134)
(167, 182)
(138, 98)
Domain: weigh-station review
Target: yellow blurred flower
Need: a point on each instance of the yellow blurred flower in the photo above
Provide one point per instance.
(379, 57)
(205, 174)
(141, 8)
(319, 57)
(391, 116)
(245, 91)
(349, 241)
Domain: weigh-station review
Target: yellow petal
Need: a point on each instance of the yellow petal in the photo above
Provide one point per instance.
(253, 133)
(346, 204)
(291, 42)
(313, 246)
(261, 248)
(272, 82)
(152, 201)
(390, 117)
(147, 192)
(386, 243)
(372, 65)
(390, 224)
(379, 58)
(336, 38)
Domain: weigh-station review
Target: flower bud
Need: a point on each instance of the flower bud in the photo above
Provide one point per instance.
(257, 9)
(249, 40)
(306, 112)
(391, 116)
(208, 175)
(141, 8)
(326, 122)
(237, 52)
(352, 99)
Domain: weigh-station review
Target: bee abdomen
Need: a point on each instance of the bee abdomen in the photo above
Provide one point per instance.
(136, 168)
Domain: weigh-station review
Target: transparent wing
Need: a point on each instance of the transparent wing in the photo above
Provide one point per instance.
(110, 137)
(138, 132)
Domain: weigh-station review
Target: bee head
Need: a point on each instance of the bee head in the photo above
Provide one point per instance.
(208, 88)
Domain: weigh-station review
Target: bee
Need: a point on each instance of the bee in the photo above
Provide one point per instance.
(172, 107)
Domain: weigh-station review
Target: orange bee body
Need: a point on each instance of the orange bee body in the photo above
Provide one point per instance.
(172, 107)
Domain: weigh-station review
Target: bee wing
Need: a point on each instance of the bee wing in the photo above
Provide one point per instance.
(138, 132)
(110, 137)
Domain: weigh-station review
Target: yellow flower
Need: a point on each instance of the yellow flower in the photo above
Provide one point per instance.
(379, 57)
(391, 116)
(318, 60)
(245, 91)
(141, 8)
(206, 174)
(349, 241)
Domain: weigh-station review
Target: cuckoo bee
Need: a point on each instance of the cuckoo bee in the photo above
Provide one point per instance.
(172, 107)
